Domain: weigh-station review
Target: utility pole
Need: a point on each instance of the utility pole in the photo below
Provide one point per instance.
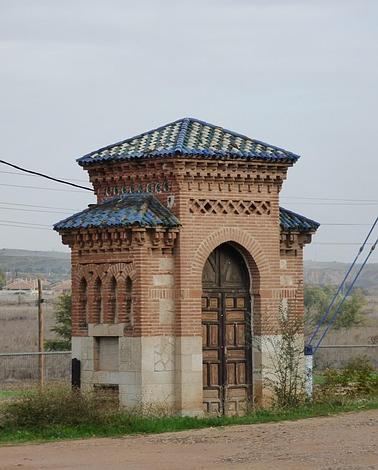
(41, 334)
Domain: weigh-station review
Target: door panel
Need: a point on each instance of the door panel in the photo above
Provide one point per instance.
(212, 364)
(227, 374)
(237, 356)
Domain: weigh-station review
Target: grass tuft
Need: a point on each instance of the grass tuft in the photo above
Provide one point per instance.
(58, 413)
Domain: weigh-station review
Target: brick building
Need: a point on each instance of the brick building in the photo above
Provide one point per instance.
(179, 270)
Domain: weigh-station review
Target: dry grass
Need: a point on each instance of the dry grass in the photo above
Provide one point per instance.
(19, 327)
(337, 358)
(19, 333)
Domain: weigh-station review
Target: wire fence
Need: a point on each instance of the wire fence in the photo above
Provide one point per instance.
(337, 356)
(22, 370)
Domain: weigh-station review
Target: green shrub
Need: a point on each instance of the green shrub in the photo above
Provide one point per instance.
(57, 405)
(358, 377)
(62, 328)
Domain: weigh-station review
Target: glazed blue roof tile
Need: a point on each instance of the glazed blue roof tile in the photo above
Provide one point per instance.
(145, 210)
(292, 222)
(189, 137)
(136, 209)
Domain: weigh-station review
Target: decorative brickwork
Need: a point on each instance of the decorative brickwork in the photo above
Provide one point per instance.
(227, 206)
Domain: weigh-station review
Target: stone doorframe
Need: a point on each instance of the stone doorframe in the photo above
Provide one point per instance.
(259, 273)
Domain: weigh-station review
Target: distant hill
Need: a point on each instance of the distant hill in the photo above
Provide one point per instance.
(53, 265)
(321, 273)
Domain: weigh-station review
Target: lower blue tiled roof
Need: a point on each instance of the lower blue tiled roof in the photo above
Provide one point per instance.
(292, 222)
(136, 209)
(145, 210)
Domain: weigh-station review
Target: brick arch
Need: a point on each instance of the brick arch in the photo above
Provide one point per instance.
(84, 270)
(122, 271)
(249, 247)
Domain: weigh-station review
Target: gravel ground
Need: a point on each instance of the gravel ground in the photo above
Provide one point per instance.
(343, 442)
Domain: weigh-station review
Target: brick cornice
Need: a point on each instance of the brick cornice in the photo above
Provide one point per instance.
(290, 242)
(169, 175)
(109, 239)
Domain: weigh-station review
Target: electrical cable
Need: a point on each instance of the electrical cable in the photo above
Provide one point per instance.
(33, 210)
(39, 187)
(337, 311)
(327, 312)
(24, 226)
(35, 205)
(24, 223)
(329, 199)
(36, 173)
(36, 176)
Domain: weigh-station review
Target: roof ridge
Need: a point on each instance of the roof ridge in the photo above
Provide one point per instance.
(233, 133)
(138, 136)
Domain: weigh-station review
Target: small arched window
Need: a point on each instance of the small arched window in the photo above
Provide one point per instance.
(113, 301)
(83, 303)
(98, 313)
(129, 302)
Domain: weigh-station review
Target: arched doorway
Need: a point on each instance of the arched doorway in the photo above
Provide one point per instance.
(226, 332)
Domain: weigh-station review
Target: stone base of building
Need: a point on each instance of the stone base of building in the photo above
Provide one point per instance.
(165, 372)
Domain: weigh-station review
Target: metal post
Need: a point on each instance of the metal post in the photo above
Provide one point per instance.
(308, 352)
(41, 346)
(75, 374)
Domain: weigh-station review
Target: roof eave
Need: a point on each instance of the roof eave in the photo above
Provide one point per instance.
(86, 162)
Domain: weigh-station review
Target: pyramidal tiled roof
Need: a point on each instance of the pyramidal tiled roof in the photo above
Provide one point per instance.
(189, 137)
(145, 210)
(135, 209)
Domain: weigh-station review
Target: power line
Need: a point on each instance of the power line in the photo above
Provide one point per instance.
(23, 223)
(329, 199)
(77, 210)
(37, 174)
(45, 176)
(336, 203)
(43, 207)
(338, 243)
(39, 187)
(33, 210)
(25, 226)
(344, 224)
(300, 203)
(21, 174)
(325, 316)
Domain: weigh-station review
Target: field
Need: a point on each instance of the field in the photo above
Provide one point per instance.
(19, 333)
(19, 326)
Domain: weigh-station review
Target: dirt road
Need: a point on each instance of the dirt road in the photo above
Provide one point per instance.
(347, 442)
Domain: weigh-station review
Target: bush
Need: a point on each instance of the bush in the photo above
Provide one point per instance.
(62, 326)
(58, 405)
(286, 374)
(318, 298)
(358, 377)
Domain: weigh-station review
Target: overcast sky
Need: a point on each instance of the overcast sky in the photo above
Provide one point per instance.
(80, 74)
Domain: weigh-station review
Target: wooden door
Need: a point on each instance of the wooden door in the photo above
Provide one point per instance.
(226, 333)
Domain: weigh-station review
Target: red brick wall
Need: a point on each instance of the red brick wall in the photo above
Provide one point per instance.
(199, 190)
